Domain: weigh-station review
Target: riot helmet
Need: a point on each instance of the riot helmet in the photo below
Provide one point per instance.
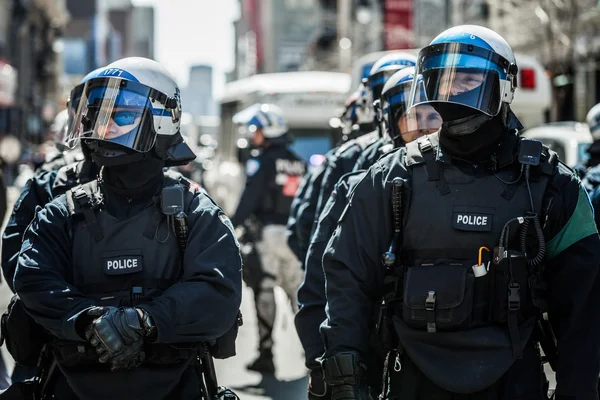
(380, 72)
(263, 123)
(131, 110)
(468, 74)
(399, 122)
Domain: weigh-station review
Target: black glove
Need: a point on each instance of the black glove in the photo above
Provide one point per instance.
(345, 374)
(317, 388)
(118, 336)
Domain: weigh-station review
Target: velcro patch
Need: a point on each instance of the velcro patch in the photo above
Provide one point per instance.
(121, 265)
(472, 221)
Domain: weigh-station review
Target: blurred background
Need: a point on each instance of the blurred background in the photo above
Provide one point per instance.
(305, 55)
(216, 49)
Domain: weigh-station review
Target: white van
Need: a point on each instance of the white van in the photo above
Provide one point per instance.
(533, 96)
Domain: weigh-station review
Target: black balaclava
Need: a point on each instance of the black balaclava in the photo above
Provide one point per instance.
(136, 179)
(126, 172)
(471, 135)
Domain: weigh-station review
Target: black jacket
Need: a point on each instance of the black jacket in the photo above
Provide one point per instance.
(354, 274)
(272, 180)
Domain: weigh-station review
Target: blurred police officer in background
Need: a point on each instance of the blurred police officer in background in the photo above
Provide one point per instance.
(272, 179)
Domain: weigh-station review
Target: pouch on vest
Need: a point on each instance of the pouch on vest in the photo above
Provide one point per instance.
(23, 336)
(438, 297)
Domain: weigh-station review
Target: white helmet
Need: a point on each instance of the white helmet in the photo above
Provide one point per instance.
(593, 121)
(266, 117)
(129, 108)
(468, 65)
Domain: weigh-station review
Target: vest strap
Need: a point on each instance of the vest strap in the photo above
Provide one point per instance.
(514, 305)
(83, 200)
(432, 167)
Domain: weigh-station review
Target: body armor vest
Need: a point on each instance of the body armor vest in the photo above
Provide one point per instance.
(454, 324)
(121, 263)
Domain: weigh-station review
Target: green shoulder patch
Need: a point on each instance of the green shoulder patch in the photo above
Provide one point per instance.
(581, 224)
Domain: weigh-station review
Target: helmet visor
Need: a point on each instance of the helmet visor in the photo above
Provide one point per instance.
(72, 106)
(408, 124)
(377, 81)
(461, 74)
(117, 111)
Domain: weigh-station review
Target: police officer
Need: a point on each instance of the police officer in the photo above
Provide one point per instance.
(471, 226)
(272, 180)
(347, 155)
(401, 126)
(103, 270)
(593, 121)
(591, 170)
(302, 211)
(72, 167)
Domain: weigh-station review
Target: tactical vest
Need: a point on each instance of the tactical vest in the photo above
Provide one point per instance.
(453, 325)
(123, 263)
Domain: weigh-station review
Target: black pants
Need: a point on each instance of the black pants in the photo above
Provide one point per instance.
(525, 380)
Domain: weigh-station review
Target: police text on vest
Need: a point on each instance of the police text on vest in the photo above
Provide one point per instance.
(472, 221)
(122, 265)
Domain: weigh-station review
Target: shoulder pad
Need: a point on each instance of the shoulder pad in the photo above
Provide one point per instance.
(176, 178)
(344, 147)
(550, 162)
(415, 149)
(564, 169)
(84, 197)
(68, 176)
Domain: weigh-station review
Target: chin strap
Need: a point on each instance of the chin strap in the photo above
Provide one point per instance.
(467, 125)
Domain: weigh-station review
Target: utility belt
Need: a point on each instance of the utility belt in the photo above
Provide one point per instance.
(72, 354)
(447, 295)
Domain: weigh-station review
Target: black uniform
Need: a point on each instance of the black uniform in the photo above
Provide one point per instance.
(265, 196)
(311, 294)
(373, 153)
(591, 182)
(37, 192)
(303, 208)
(342, 163)
(105, 245)
(452, 331)
(272, 181)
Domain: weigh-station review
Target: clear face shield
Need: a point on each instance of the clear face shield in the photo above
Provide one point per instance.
(463, 74)
(405, 124)
(120, 112)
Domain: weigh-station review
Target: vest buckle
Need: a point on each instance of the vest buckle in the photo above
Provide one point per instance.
(81, 198)
(430, 307)
(514, 299)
